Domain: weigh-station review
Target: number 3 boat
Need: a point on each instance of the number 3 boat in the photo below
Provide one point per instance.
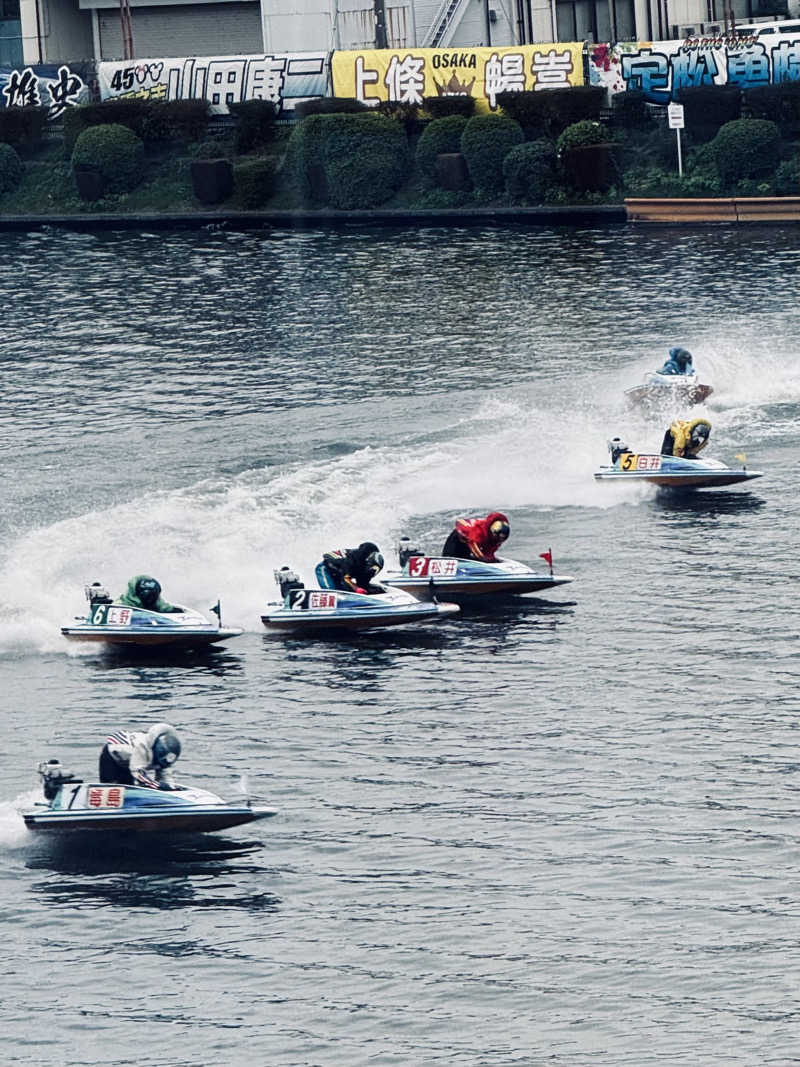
(459, 579)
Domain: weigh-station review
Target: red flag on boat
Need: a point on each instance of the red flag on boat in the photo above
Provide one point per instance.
(547, 557)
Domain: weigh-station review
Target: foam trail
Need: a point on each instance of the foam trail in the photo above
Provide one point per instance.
(13, 831)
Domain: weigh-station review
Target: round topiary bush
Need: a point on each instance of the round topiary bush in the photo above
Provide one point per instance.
(364, 181)
(787, 178)
(529, 170)
(580, 134)
(485, 143)
(746, 148)
(115, 151)
(438, 137)
(10, 168)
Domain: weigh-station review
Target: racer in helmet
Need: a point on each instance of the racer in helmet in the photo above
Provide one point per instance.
(679, 362)
(133, 758)
(351, 570)
(686, 438)
(478, 538)
(145, 592)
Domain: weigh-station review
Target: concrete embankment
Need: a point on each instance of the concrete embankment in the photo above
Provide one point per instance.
(765, 209)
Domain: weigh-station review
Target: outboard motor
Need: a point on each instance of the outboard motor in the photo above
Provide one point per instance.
(53, 777)
(97, 594)
(406, 549)
(617, 447)
(287, 581)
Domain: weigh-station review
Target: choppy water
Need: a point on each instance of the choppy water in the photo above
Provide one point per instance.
(561, 832)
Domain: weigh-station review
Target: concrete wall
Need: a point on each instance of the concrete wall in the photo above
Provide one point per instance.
(66, 32)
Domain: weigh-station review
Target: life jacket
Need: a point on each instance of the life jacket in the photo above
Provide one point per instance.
(681, 430)
(477, 535)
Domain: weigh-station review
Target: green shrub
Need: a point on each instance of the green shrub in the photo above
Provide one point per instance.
(10, 167)
(581, 134)
(407, 115)
(22, 126)
(329, 105)
(548, 113)
(185, 121)
(439, 136)
(115, 151)
(746, 148)
(529, 170)
(153, 121)
(364, 181)
(630, 111)
(255, 123)
(707, 108)
(787, 178)
(485, 143)
(778, 103)
(657, 182)
(254, 182)
(321, 144)
(442, 107)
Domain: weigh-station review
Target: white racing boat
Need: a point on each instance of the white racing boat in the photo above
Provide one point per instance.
(313, 611)
(673, 472)
(116, 624)
(70, 804)
(427, 577)
(659, 389)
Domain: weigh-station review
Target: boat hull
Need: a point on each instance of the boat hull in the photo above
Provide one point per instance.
(148, 638)
(426, 577)
(673, 472)
(156, 822)
(287, 621)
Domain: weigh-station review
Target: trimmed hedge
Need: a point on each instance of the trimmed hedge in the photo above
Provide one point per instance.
(442, 107)
(152, 121)
(746, 148)
(438, 137)
(529, 171)
(254, 182)
(320, 145)
(551, 111)
(707, 108)
(581, 134)
(255, 123)
(22, 126)
(629, 110)
(778, 103)
(329, 105)
(485, 143)
(116, 152)
(10, 167)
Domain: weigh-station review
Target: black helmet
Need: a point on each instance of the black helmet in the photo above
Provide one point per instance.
(166, 747)
(148, 590)
(371, 558)
(700, 432)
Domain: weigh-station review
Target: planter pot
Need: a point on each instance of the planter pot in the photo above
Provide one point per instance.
(451, 171)
(88, 181)
(592, 168)
(212, 180)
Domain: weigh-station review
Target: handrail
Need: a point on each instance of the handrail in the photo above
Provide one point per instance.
(445, 16)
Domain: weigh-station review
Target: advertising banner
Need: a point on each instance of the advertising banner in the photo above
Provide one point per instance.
(409, 75)
(50, 85)
(660, 68)
(284, 78)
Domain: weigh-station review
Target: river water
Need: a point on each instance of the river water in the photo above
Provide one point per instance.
(563, 831)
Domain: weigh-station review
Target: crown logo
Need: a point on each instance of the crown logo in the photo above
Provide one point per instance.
(454, 87)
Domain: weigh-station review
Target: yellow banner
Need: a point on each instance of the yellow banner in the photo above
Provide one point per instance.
(408, 75)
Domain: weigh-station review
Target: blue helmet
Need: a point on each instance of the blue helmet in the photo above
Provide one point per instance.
(681, 356)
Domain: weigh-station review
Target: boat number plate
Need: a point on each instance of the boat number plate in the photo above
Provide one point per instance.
(321, 600)
(425, 567)
(629, 461)
(112, 616)
(105, 796)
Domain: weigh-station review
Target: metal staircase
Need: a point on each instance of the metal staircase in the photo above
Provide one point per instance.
(443, 25)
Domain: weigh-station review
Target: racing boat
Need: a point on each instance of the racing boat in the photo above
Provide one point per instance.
(669, 388)
(312, 611)
(673, 472)
(71, 804)
(117, 624)
(428, 576)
